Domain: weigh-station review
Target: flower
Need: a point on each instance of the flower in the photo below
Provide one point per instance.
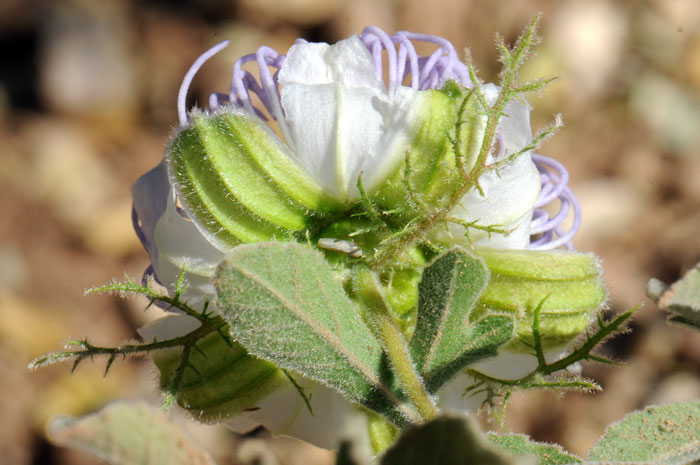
(341, 119)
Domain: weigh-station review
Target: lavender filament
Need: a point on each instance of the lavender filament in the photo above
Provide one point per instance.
(554, 179)
(426, 72)
(378, 40)
(189, 76)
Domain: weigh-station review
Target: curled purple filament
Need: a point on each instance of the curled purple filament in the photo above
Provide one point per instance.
(546, 231)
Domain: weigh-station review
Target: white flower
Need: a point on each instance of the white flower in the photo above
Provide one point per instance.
(339, 121)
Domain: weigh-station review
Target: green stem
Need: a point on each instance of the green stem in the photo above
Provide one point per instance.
(89, 350)
(394, 343)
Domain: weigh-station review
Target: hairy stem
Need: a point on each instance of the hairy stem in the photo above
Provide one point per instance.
(394, 343)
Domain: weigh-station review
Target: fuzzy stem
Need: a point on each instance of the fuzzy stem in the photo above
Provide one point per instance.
(89, 350)
(394, 343)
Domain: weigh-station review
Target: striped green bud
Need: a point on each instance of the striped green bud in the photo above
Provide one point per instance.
(238, 183)
(227, 380)
(568, 284)
(451, 119)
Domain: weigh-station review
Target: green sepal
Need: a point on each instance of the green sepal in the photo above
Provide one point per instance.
(206, 198)
(431, 171)
(237, 181)
(222, 379)
(382, 434)
(569, 286)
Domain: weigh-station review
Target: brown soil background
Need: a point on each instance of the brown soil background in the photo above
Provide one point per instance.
(87, 101)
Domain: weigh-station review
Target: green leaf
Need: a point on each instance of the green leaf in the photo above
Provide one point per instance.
(682, 299)
(284, 305)
(521, 445)
(129, 434)
(445, 441)
(445, 341)
(667, 434)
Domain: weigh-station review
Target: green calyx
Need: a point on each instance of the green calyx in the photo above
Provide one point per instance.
(399, 278)
(446, 144)
(222, 379)
(568, 285)
(236, 181)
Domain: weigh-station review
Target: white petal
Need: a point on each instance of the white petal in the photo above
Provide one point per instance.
(333, 128)
(508, 201)
(514, 127)
(347, 62)
(402, 118)
(505, 365)
(168, 327)
(180, 244)
(284, 413)
(150, 193)
(341, 121)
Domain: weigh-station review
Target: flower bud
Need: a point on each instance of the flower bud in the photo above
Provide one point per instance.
(567, 285)
(236, 182)
(431, 171)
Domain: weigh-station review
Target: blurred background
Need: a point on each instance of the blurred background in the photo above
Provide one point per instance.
(87, 102)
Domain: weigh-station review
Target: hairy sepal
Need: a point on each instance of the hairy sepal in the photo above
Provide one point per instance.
(568, 286)
(431, 170)
(236, 180)
(222, 379)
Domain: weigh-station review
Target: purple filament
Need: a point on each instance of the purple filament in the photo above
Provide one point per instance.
(402, 61)
(189, 76)
(546, 232)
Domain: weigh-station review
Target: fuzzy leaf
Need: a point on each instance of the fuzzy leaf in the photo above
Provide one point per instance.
(129, 434)
(547, 454)
(682, 299)
(445, 341)
(445, 441)
(284, 305)
(667, 434)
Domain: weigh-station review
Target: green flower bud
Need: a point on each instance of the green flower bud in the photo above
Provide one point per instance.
(237, 183)
(431, 170)
(227, 380)
(569, 286)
